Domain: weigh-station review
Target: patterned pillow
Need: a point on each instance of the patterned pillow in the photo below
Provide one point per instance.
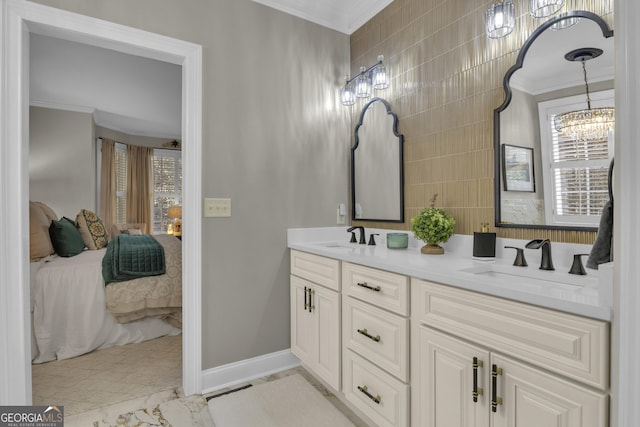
(94, 234)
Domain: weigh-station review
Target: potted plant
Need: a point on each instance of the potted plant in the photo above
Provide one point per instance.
(433, 226)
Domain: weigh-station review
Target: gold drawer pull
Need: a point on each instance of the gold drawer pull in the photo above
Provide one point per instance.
(364, 389)
(366, 334)
(368, 286)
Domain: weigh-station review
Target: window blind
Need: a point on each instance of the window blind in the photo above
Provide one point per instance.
(580, 176)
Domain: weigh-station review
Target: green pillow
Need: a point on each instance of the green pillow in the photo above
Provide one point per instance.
(65, 237)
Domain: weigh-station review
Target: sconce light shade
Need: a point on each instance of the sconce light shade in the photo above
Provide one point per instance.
(380, 75)
(544, 8)
(500, 19)
(363, 84)
(348, 94)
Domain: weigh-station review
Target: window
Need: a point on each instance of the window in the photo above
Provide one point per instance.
(575, 173)
(167, 184)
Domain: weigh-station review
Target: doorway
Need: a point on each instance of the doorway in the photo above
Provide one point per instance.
(21, 19)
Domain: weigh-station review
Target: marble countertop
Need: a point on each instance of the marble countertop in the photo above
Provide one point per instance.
(589, 295)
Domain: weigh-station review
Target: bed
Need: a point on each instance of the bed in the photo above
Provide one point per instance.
(73, 312)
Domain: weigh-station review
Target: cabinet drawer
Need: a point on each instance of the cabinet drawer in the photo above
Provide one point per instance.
(320, 270)
(387, 290)
(377, 335)
(569, 345)
(377, 394)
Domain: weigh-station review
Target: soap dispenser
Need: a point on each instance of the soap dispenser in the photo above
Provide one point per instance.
(484, 243)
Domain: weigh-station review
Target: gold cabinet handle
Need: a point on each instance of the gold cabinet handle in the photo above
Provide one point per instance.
(365, 390)
(368, 286)
(366, 334)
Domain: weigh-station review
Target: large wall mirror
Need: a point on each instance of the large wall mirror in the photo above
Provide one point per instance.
(545, 178)
(377, 177)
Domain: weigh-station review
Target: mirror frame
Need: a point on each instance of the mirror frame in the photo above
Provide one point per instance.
(606, 33)
(401, 161)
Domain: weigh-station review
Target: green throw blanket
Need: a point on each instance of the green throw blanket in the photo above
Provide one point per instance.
(130, 256)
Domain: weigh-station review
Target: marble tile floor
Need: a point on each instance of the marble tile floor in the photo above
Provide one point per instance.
(84, 384)
(358, 422)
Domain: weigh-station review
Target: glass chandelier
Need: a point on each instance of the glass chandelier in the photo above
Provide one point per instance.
(375, 77)
(593, 123)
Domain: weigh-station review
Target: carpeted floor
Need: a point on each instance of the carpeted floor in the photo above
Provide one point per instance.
(150, 370)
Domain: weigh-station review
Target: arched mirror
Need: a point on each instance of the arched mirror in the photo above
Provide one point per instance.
(377, 177)
(545, 176)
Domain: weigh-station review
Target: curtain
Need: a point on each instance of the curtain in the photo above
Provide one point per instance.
(108, 183)
(140, 185)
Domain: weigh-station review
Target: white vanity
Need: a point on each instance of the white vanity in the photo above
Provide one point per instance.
(444, 340)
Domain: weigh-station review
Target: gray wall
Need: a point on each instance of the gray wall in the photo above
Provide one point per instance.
(62, 160)
(275, 140)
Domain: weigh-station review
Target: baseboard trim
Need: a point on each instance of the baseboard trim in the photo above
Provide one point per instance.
(247, 370)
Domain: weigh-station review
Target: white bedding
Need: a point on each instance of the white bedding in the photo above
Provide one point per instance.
(69, 315)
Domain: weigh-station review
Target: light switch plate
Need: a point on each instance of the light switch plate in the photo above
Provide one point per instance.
(217, 208)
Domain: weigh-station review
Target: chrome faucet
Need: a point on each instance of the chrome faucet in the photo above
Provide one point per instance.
(363, 240)
(546, 263)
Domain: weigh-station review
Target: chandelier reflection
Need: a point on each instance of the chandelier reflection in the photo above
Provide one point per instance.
(589, 124)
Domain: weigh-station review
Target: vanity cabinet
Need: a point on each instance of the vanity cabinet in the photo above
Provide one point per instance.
(484, 361)
(408, 352)
(375, 311)
(315, 314)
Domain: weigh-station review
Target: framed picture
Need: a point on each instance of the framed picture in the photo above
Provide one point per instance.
(517, 168)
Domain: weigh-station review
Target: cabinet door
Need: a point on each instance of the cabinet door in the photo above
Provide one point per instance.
(303, 330)
(533, 398)
(326, 310)
(446, 382)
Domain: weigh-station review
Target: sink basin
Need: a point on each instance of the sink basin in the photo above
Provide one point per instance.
(531, 275)
(334, 245)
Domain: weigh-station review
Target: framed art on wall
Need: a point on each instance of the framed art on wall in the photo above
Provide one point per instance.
(517, 168)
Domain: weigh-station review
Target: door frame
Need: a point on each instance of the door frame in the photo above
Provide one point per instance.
(18, 19)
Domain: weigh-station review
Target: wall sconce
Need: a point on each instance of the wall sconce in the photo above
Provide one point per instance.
(500, 19)
(360, 86)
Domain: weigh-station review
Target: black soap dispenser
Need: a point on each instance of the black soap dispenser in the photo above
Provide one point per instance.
(484, 243)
